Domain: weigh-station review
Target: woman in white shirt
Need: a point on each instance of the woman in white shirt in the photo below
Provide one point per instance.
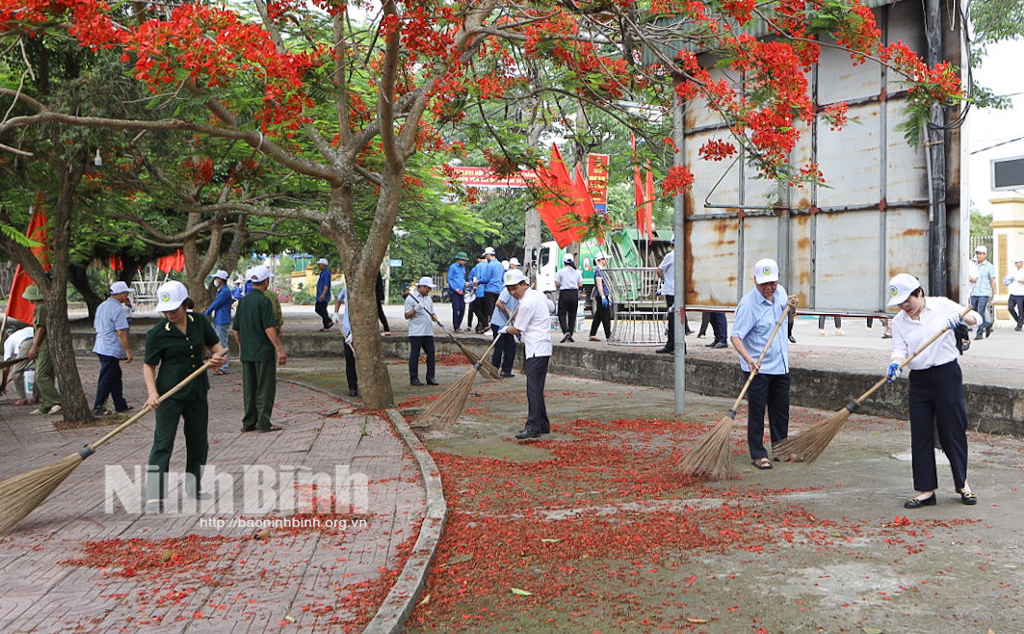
(936, 391)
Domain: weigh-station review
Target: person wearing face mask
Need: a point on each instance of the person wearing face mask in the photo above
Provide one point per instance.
(936, 391)
(220, 309)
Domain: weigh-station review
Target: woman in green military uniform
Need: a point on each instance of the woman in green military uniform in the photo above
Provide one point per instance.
(175, 344)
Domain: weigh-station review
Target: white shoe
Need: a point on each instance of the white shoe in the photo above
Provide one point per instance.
(822, 333)
(56, 409)
(840, 332)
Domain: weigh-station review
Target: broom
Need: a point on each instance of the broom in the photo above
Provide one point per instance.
(488, 369)
(810, 444)
(712, 456)
(446, 409)
(22, 494)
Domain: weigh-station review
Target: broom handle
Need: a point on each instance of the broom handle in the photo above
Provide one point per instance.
(753, 372)
(145, 410)
(495, 340)
(885, 379)
(461, 346)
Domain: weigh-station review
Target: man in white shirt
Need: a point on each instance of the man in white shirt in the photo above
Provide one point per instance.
(17, 346)
(533, 322)
(568, 281)
(1014, 283)
(418, 308)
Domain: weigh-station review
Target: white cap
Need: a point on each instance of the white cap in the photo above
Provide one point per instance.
(505, 264)
(221, 274)
(489, 251)
(981, 248)
(170, 295)
(426, 281)
(514, 277)
(120, 287)
(567, 258)
(900, 288)
(322, 261)
(600, 256)
(1018, 259)
(766, 270)
(258, 273)
(513, 262)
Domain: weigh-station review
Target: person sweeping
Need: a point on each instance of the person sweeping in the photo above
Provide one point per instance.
(936, 392)
(175, 347)
(756, 316)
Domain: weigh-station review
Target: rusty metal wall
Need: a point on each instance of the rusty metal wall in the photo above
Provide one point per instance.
(839, 243)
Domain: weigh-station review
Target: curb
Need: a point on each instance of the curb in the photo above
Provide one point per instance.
(400, 601)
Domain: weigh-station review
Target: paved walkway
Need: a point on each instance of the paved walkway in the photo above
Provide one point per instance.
(237, 576)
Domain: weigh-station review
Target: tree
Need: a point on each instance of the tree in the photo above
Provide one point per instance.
(397, 86)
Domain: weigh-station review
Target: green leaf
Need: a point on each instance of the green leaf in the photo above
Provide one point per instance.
(872, 630)
(550, 541)
(521, 593)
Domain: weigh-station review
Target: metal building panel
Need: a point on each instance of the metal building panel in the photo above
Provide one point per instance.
(698, 115)
(711, 262)
(760, 240)
(839, 80)
(707, 174)
(906, 170)
(796, 272)
(849, 160)
(847, 245)
(906, 243)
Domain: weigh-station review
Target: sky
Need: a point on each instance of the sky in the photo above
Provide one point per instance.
(1001, 71)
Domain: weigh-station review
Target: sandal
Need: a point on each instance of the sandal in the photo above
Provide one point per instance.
(220, 372)
(762, 463)
(272, 428)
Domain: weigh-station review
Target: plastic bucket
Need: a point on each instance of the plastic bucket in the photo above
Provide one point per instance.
(30, 382)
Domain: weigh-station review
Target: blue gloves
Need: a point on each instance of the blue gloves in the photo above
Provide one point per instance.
(894, 371)
(954, 321)
(604, 302)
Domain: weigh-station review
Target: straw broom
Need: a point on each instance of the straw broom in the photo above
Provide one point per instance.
(22, 494)
(810, 444)
(488, 370)
(712, 456)
(446, 409)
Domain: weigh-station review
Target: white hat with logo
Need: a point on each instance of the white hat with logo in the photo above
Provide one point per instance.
(514, 277)
(900, 288)
(600, 256)
(170, 295)
(766, 270)
(567, 258)
(120, 287)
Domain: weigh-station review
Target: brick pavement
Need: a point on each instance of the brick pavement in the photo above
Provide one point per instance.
(246, 580)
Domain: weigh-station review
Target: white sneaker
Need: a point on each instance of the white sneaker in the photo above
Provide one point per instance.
(822, 333)
(56, 409)
(840, 332)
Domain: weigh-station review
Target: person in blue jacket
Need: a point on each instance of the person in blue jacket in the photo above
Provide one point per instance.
(457, 288)
(323, 294)
(220, 310)
(478, 278)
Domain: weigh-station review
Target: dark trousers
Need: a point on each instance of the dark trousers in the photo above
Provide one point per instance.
(477, 309)
(719, 326)
(458, 308)
(490, 299)
(259, 389)
(602, 317)
(980, 304)
(381, 317)
(568, 305)
(537, 411)
(196, 416)
(1016, 308)
(769, 391)
(670, 301)
(936, 398)
(426, 344)
(320, 308)
(350, 368)
(109, 384)
(504, 355)
(836, 320)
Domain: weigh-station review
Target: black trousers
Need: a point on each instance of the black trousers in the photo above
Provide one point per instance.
(195, 415)
(350, 368)
(490, 299)
(568, 305)
(320, 308)
(458, 308)
(110, 383)
(936, 397)
(1016, 308)
(537, 411)
(670, 301)
(769, 391)
(504, 355)
(719, 326)
(426, 344)
(602, 317)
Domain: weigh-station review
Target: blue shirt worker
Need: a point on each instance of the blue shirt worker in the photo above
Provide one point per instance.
(756, 316)
(457, 288)
(421, 330)
(494, 274)
(504, 355)
(259, 350)
(111, 325)
(174, 347)
(220, 310)
(983, 278)
(323, 294)
(478, 283)
(533, 322)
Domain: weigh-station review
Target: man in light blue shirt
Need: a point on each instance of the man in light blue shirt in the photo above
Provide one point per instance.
(111, 325)
(983, 279)
(418, 308)
(756, 316)
(504, 355)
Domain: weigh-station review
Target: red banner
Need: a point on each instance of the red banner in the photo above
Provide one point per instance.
(18, 307)
(557, 202)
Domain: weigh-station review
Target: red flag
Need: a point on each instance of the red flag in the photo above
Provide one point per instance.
(649, 204)
(640, 195)
(18, 307)
(172, 262)
(557, 200)
(584, 207)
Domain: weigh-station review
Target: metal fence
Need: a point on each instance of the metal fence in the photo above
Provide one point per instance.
(638, 318)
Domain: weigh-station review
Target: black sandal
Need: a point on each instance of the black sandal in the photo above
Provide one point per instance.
(762, 463)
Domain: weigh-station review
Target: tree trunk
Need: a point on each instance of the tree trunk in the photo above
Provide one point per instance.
(80, 280)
